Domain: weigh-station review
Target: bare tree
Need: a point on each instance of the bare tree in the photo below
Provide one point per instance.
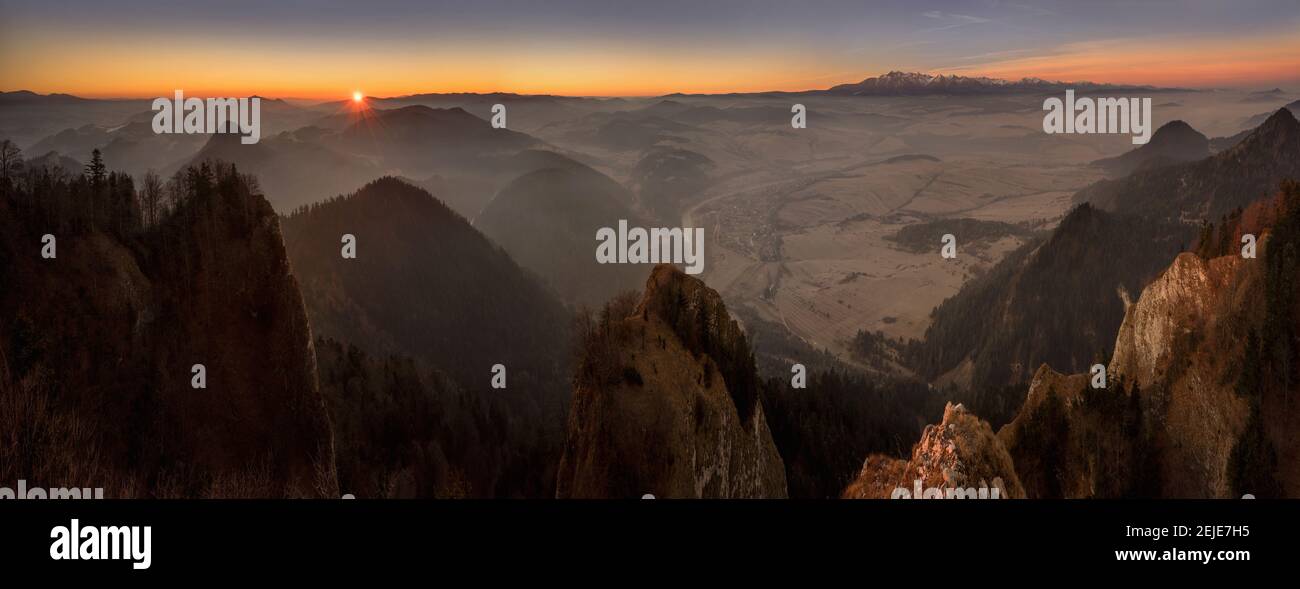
(176, 189)
(151, 193)
(11, 160)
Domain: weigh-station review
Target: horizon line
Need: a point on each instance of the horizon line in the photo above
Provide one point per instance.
(344, 95)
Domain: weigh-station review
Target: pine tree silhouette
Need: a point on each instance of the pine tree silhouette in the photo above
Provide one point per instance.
(95, 172)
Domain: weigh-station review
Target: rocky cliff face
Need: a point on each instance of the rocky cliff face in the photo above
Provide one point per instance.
(1175, 304)
(662, 402)
(1176, 345)
(1170, 418)
(960, 452)
(100, 343)
(1072, 441)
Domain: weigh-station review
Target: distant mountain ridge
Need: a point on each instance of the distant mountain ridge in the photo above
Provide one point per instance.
(1259, 119)
(27, 96)
(346, 151)
(1209, 188)
(898, 83)
(1174, 142)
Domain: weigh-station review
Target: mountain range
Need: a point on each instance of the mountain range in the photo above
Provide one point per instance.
(474, 249)
(896, 83)
(1060, 299)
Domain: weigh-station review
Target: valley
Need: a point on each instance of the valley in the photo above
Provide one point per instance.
(820, 246)
(799, 223)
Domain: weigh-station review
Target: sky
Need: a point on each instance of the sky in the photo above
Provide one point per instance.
(329, 49)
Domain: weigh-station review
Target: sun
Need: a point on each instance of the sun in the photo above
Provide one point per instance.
(356, 96)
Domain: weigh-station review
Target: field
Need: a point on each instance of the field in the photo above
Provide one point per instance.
(798, 221)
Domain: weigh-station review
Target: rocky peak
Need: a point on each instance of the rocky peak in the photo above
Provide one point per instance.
(1174, 142)
(1277, 136)
(960, 452)
(654, 407)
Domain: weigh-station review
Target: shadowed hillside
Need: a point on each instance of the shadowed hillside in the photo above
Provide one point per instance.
(428, 289)
(548, 220)
(98, 342)
(1174, 142)
(424, 284)
(401, 431)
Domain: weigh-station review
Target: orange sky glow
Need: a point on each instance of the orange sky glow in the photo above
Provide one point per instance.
(129, 67)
